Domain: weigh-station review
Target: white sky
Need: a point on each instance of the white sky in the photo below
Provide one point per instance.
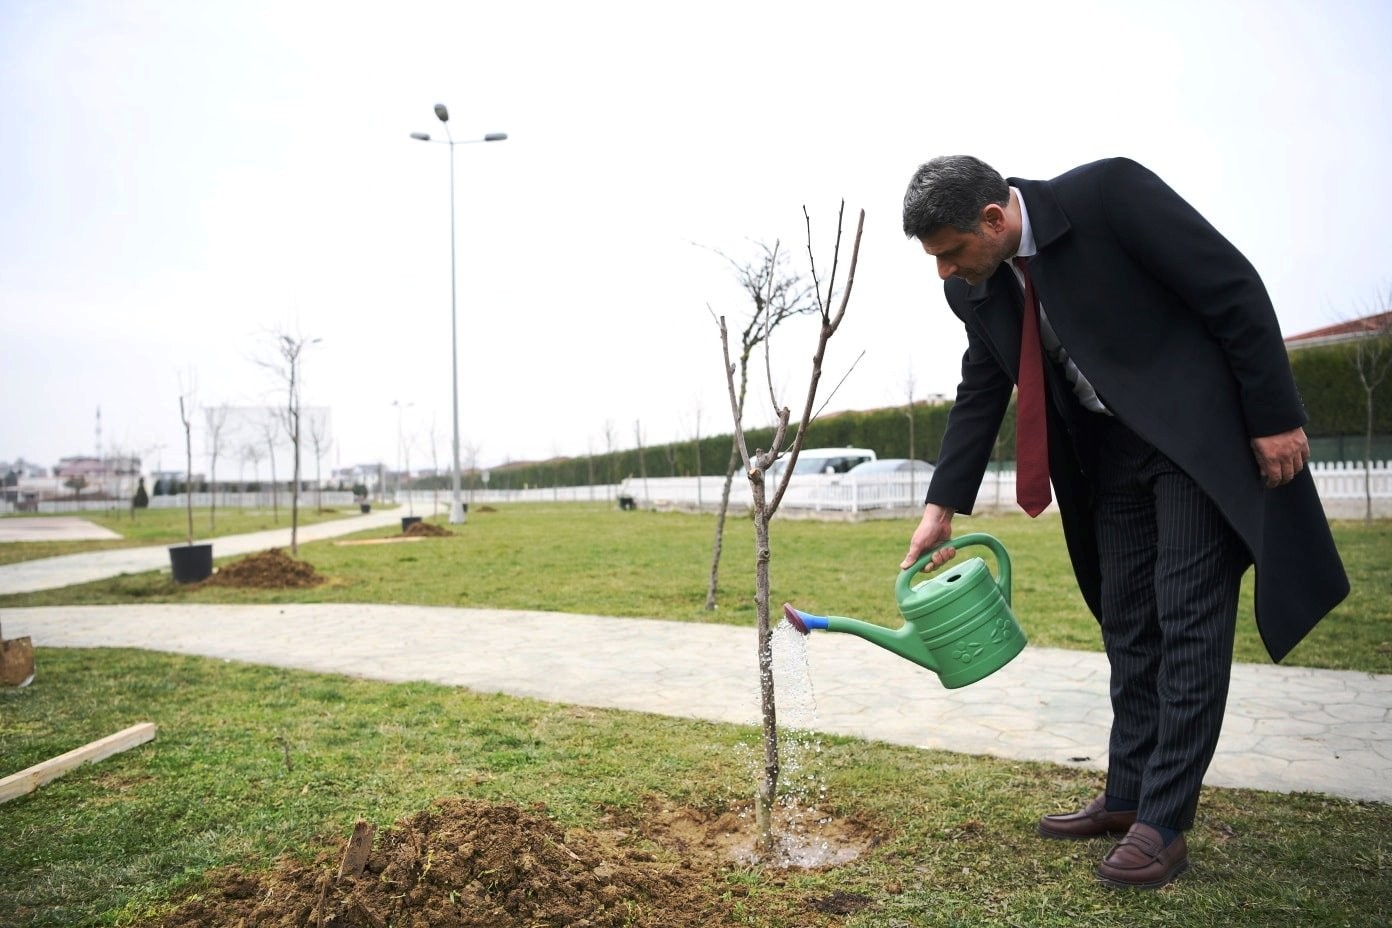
(181, 179)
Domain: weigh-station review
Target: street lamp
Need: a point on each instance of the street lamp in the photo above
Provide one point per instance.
(456, 506)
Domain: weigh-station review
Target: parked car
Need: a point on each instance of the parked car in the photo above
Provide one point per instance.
(824, 461)
(888, 466)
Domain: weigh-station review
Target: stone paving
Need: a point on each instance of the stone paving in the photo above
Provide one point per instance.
(54, 572)
(1288, 728)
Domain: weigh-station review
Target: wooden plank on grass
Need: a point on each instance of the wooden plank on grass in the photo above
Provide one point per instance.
(31, 778)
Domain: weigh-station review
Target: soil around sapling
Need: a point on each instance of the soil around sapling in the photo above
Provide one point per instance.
(467, 863)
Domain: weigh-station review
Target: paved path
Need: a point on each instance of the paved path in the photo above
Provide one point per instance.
(53, 572)
(1287, 729)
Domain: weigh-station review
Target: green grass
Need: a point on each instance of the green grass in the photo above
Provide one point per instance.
(139, 528)
(251, 763)
(595, 559)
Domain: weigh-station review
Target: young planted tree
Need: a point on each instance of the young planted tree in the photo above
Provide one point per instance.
(186, 417)
(287, 367)
(778, 295)
(1370, 353)
(321, 440)
(214, 438)
(756, 466)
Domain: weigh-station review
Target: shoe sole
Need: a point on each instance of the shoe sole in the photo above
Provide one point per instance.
(1070, 836)
(1182, 866)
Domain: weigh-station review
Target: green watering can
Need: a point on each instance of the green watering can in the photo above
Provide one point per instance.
(957, 624)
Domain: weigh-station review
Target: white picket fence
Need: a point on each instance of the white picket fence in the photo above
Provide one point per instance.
(1342, 488)
(1340, 485)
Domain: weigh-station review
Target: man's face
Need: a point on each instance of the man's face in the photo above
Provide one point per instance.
(972, 256)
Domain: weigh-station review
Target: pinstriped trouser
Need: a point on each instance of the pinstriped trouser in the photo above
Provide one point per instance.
(1171, 570)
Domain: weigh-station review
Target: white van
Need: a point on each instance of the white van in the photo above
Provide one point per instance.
(823, 461)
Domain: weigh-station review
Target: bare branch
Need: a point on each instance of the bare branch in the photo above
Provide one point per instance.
(735, 411)
(829, 327)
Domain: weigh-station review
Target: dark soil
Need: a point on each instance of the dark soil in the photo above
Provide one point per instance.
(426, 530)
(470, 864)
(267, 570)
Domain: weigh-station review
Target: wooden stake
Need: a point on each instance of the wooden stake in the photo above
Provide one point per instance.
(31, 778)
(358, 850)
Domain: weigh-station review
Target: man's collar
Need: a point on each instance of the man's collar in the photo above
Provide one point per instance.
(1027, 247)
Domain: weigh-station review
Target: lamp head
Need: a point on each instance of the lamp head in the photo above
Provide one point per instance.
(421, 136)
(441, 112)
(495, 137)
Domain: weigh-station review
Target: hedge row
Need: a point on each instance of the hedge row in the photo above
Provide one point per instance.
(1327, 380)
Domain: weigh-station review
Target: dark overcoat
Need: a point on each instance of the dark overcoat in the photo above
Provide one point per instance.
(1175, 330)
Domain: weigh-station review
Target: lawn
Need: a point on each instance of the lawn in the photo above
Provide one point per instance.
(599, 560)
(253, 763)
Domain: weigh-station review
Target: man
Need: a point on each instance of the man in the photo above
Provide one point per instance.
(1155, 394)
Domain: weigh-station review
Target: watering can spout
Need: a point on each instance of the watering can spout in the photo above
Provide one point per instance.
(901, 641)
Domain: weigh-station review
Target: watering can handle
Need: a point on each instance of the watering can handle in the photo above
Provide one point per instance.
(901, 586)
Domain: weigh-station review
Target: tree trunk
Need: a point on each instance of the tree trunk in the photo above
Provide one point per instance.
(714, 582)
(1368, 463)
(768, 787)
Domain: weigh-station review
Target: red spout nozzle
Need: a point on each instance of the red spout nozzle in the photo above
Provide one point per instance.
(795, 619)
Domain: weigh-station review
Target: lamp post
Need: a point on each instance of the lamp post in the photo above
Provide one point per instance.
(456, 505)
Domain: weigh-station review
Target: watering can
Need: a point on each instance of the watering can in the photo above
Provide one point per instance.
(957, 624)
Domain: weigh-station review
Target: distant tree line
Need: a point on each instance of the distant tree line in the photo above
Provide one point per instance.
(1328, 384)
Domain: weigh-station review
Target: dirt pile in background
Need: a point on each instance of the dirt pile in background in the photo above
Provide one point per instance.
(427, 530)
(267, 570)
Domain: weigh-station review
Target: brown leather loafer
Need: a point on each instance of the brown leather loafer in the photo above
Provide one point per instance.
(1092, 822)
(1140, 862)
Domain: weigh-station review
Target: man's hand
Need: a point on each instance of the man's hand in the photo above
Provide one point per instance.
(1281, 457)
(935, 528)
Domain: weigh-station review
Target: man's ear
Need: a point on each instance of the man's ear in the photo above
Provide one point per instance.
(993, 217)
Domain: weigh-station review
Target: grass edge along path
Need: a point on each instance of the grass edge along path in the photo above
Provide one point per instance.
(252, 763)
(597, 560)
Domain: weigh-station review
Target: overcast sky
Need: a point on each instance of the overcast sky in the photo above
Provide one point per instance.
(182, 180)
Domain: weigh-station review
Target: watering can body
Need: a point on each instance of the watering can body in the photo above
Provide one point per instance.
(957, 624)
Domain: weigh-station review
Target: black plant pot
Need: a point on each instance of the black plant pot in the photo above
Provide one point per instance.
(408, 521)
(191, 563)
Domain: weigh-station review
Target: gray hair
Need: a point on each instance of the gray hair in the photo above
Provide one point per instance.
(951, 190)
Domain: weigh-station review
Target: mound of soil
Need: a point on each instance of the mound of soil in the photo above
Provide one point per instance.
(427, 530)
(471, 864)
(266, 570)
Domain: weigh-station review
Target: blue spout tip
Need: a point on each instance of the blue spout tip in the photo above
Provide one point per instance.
(804, 622)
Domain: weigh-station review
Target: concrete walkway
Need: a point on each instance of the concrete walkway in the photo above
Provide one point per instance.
(53, 572)
(1288, 729)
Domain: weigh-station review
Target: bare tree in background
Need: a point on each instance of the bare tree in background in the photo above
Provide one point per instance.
(756, 466)
(1370, 353)
(215, 423)
(909, 411)
(321, 440)
(642, 461)
(434, 466)
(609, 449)
(269, 431)
(287, 367)
(186, 408)
(778, 295)
(251, 452)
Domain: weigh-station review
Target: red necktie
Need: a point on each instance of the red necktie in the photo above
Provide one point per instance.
(1031, 428)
